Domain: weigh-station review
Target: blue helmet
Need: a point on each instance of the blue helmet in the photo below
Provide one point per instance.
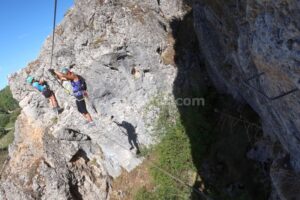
(29, 79)
(64, 70)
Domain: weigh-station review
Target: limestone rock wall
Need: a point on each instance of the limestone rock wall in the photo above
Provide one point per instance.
(252, 51)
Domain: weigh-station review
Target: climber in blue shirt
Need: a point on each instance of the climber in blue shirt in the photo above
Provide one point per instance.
(43, 87)
(79, 90)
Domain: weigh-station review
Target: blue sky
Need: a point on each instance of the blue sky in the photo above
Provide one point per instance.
(25, 24)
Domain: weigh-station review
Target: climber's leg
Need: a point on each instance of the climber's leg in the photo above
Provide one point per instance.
(53, 101)
(50, 95)
(81, 106)
(88, 117)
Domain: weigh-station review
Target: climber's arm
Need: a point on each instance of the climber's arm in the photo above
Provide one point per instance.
(63, 77)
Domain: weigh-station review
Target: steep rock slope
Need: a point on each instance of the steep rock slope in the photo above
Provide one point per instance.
(252, 51)
(123, 51)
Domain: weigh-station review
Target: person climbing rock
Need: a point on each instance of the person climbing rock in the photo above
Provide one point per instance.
(43, 87)
(79, 90)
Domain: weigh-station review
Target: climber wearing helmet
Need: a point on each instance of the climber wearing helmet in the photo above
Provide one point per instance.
(43, 87)
(79, 90)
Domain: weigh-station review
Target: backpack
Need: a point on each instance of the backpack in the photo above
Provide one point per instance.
(83, 85)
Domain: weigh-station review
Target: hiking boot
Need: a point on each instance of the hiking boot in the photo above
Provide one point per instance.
(58, 110)
(91, 124)
(55, 110)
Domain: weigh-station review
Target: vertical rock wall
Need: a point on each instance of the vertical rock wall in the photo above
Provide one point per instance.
(252, 51)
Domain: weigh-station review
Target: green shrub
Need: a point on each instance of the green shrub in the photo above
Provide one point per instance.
(143, 194)
(7, 102)
(9, 111)
(4, 119)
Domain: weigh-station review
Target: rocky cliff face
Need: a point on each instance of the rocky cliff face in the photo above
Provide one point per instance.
(252, 51)
(122, 50)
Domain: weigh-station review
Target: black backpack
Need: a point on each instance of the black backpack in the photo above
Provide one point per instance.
(83, 85)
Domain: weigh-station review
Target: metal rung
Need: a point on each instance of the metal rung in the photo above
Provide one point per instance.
(263, 94)
(271, 98)
(255, 89)
(285, 94)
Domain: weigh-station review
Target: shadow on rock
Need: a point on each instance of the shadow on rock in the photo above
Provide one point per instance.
(130, 133)
(220, 132)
